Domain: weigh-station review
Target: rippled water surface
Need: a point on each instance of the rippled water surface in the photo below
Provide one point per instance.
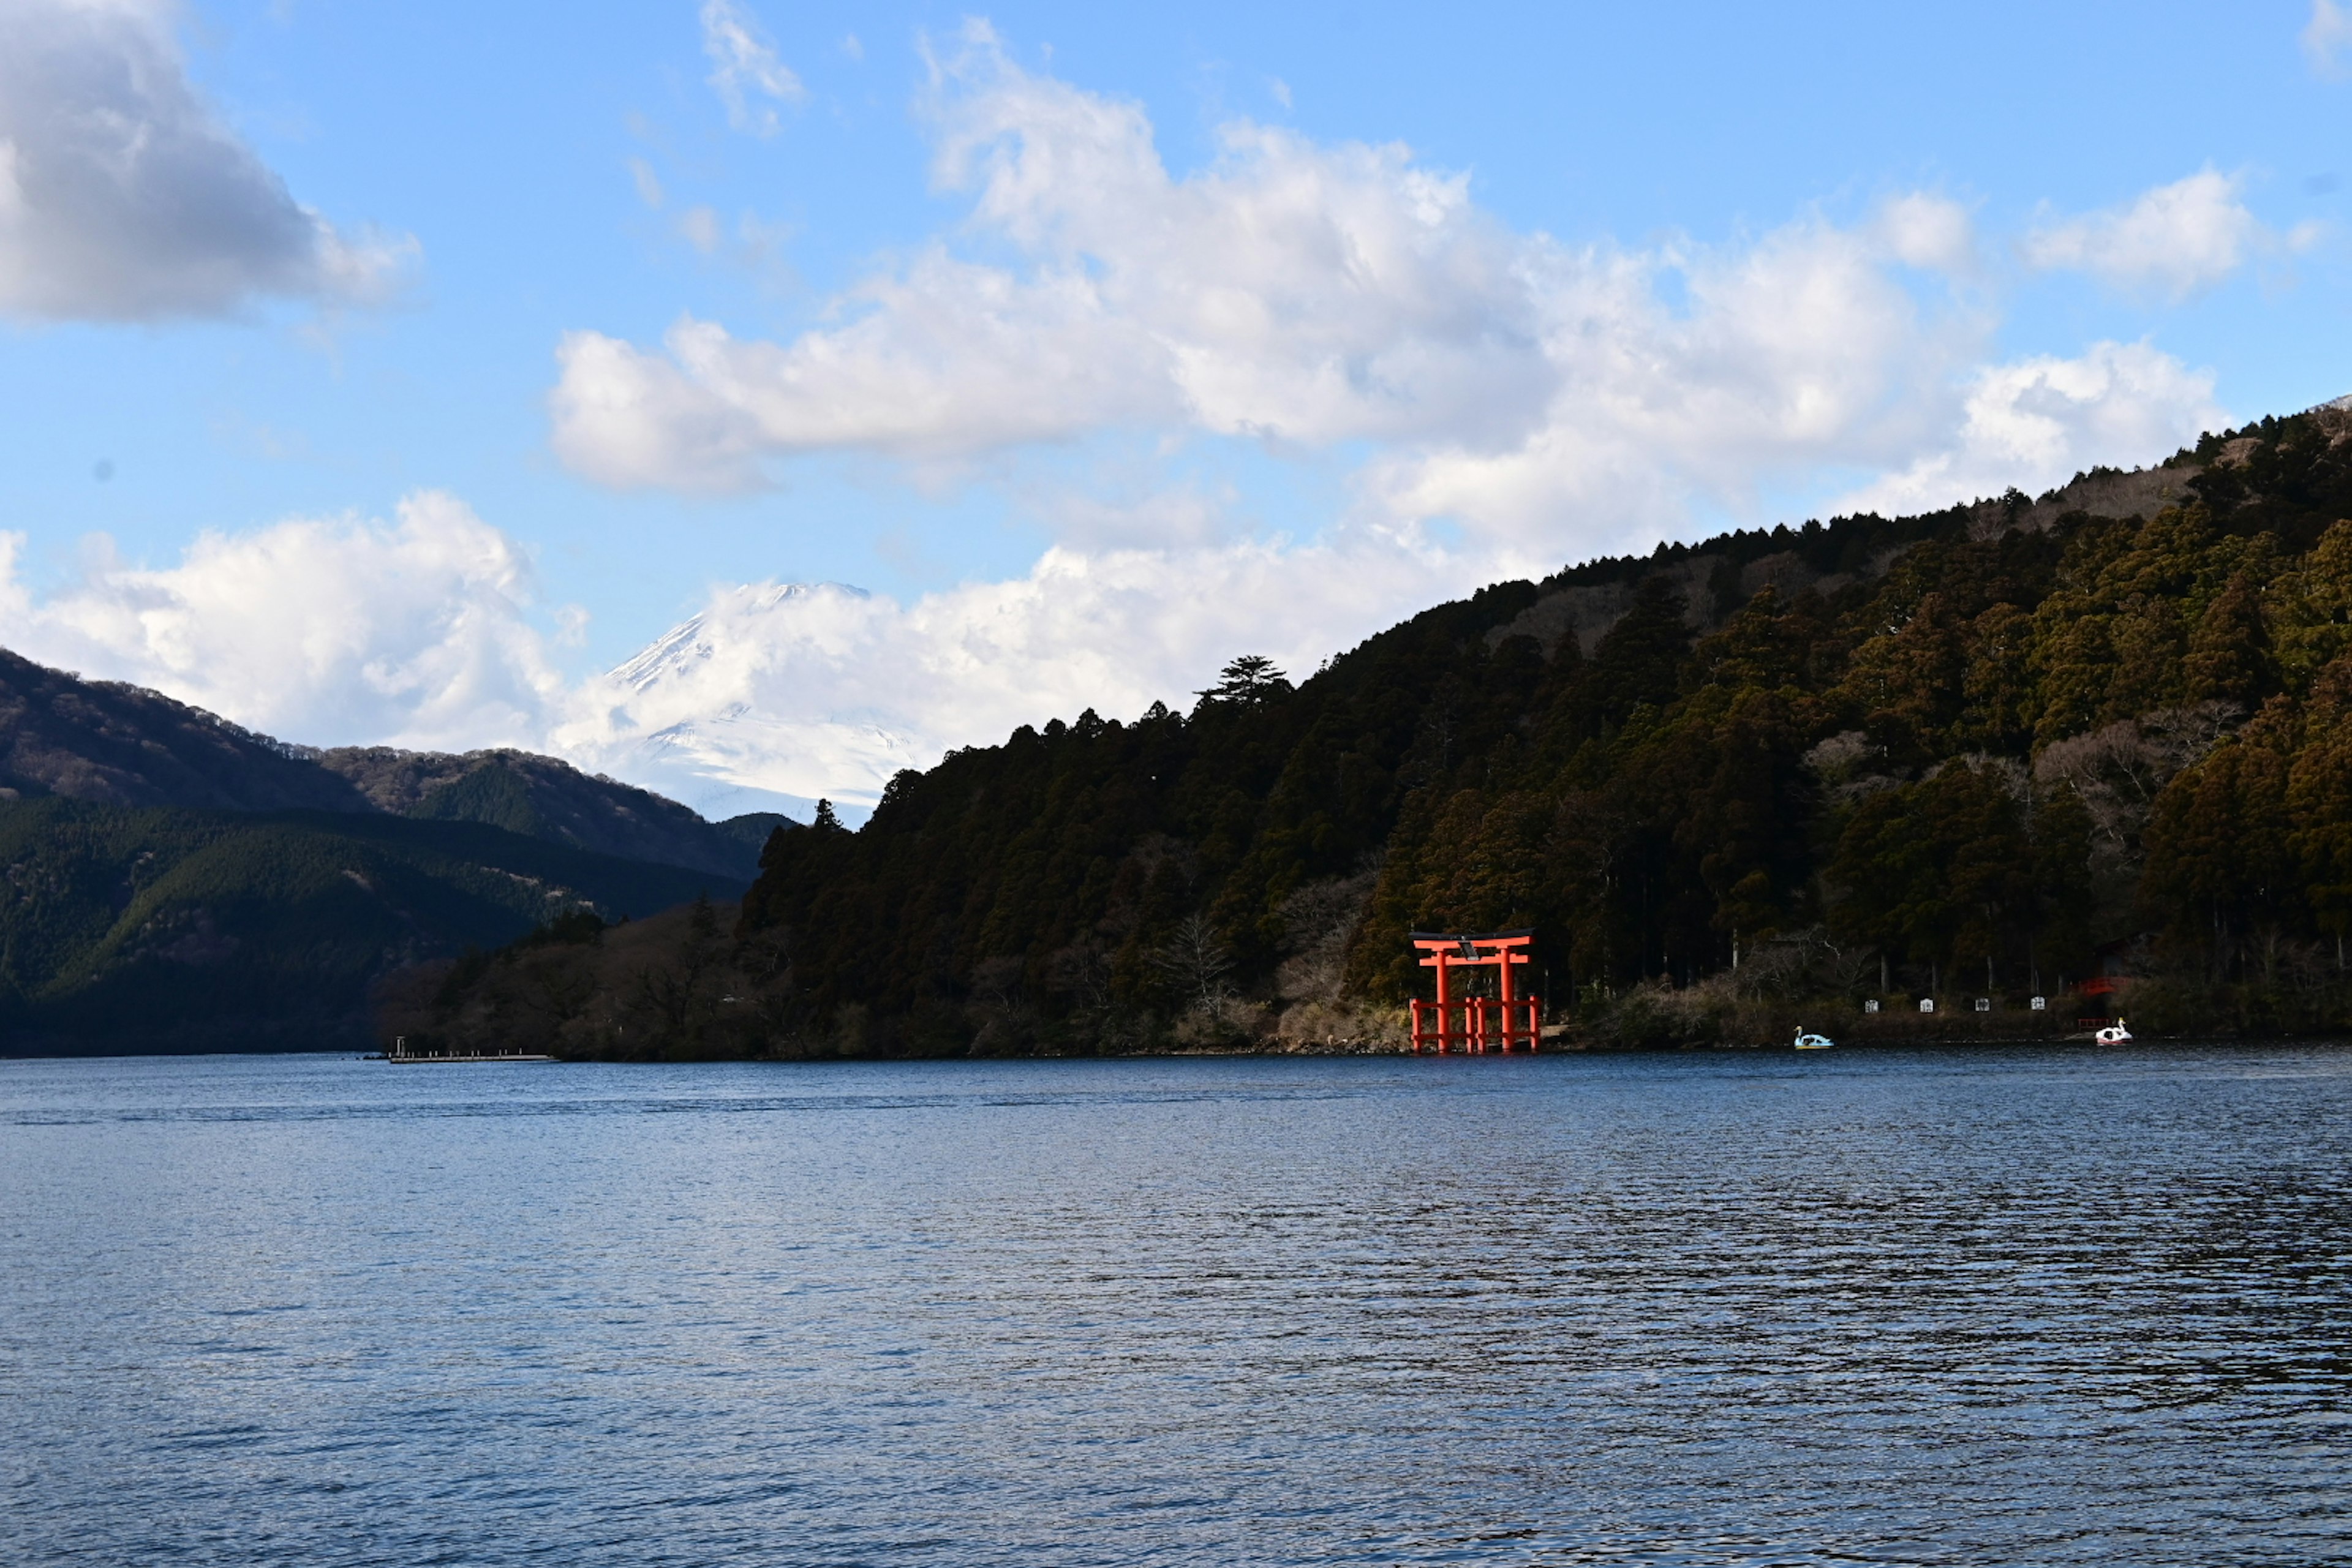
(2012, 1306)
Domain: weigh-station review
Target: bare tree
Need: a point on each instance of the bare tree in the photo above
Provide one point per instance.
(1319, 919)
(1196, 958)
(2119, 771)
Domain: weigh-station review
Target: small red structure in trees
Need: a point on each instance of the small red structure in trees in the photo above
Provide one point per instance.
(1497, 1023)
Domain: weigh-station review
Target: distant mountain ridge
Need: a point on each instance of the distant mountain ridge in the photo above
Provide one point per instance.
(543, 797)
(114, 744)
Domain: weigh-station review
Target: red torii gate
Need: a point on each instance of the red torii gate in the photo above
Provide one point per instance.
(1498, 1021)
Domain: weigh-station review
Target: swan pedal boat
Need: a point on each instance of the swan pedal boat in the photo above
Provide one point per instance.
(1806, 1042)
(2114, 1034)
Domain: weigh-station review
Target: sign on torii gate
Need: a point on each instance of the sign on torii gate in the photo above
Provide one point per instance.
(1485, 1023)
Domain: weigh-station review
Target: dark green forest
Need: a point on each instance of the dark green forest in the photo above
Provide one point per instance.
(1988, 753)
(155, 928)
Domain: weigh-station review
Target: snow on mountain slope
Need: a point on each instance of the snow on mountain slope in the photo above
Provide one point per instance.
(726, 711)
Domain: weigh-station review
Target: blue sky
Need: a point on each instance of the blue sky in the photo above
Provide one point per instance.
(1093, 345)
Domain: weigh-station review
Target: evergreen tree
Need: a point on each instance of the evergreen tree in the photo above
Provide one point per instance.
(1250, 679)
(2230, 658)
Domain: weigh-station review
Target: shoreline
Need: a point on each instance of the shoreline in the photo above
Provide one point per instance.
(1581, 1048)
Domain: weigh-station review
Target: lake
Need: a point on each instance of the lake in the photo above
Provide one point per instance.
(2033, 1305)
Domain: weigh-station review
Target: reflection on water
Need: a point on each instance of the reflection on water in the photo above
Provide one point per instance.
(2022, 1306)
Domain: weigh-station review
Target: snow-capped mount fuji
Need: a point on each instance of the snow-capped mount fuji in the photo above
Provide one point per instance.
(765, 700)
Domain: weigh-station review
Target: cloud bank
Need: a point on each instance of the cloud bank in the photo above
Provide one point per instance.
(1291, 292)
(122, 197)
(329, 631)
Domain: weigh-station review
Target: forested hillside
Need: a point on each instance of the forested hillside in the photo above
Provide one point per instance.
(1990, 751)
(142, 928)
(122, 745)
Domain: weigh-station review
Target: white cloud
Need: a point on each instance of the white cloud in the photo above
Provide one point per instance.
(2174, 241)
(1794, 353)
(326, 631)
(122, 197)
(2036, 422)
(1291, 291)
(2327, 38)
(744, 66)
